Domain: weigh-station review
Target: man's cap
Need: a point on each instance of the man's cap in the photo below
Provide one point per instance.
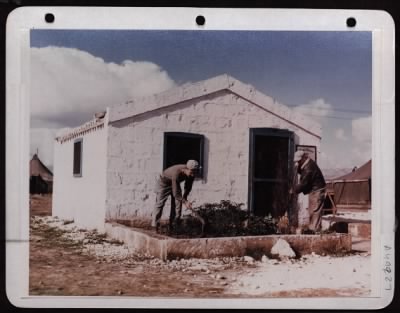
(192, 165)
(298, 155)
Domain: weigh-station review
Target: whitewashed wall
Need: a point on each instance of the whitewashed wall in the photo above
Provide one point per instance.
(81, 198)
(135, 151)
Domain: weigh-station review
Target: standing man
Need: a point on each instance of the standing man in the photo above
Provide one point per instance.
(169, 184)
(312, 182)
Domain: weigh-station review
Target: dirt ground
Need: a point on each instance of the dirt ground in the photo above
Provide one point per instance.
(58, 267)
(63, 266)
(63, 270)
(40, 205)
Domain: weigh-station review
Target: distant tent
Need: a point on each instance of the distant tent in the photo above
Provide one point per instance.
(41, 178)
(353, 190)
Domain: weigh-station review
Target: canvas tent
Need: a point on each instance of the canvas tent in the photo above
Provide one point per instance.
(40, 177)
(353, 190)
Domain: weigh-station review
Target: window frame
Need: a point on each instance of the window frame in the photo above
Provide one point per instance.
(80, 160)
(307, 149)
(200, 173)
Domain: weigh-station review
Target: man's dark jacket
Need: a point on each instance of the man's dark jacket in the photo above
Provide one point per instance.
(311, 178)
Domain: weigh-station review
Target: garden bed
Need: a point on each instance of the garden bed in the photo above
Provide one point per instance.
(166, 247)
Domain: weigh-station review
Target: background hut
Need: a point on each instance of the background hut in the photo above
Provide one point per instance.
(353, 190)
(40, 177)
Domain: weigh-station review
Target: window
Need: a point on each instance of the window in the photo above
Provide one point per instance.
(311, 151)
(77, 166)
(181, 147)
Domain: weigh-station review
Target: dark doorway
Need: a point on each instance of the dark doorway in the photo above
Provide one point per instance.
(270, 167)
(37, 185)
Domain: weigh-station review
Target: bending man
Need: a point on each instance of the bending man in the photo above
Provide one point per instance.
(169, 184)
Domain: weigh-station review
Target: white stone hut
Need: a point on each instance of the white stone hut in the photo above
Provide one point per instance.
(105, 170)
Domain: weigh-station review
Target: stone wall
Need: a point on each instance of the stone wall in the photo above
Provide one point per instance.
(135, 150)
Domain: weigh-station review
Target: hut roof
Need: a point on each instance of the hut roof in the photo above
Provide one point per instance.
(37, 168)
(362, 173)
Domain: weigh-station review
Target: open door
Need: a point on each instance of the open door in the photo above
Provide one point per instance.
(270, 170)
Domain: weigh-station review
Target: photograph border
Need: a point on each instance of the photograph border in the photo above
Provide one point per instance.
(17, 130)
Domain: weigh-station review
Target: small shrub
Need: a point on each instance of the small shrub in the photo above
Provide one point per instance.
(226, 219)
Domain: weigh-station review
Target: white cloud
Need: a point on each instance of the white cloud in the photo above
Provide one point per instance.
(335, 158)
(316, 109)
(362, 140)
(340, 149)
(68, 86)
(340, 134)
(346, 151)
(325, 161)
(362, 129)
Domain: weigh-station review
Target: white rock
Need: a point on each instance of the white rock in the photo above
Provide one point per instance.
(198, 268)
(248, 259)
(264, 259)
(283, 249)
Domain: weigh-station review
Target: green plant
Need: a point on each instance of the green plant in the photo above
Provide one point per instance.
(226, 219)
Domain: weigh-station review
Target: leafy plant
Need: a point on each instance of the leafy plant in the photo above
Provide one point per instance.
(226, 219)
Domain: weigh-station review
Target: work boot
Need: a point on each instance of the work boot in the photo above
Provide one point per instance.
(308, 232)
(173, 227)
(156, 228)
(177, 225)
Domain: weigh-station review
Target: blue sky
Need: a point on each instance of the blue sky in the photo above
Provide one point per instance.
(327, 71)
(334, 64)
